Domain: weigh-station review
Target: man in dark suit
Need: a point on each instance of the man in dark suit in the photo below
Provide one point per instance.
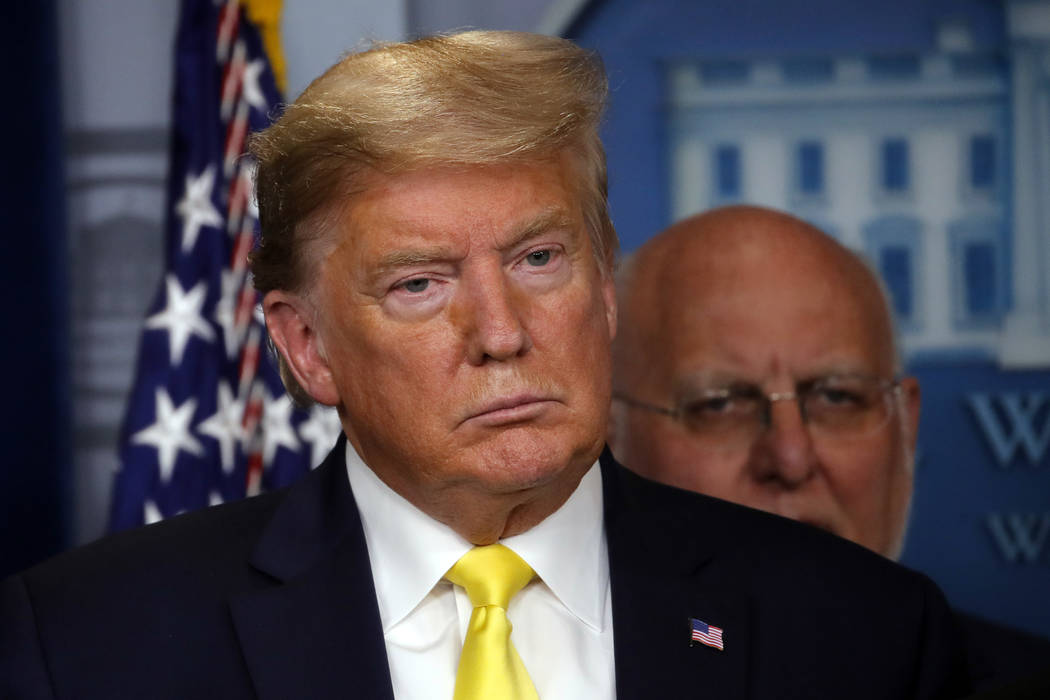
(785, 384)
(436, 263)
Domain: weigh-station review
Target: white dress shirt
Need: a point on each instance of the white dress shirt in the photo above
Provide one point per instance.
(562, 619)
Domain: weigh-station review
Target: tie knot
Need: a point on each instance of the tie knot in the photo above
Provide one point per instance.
(491, 575)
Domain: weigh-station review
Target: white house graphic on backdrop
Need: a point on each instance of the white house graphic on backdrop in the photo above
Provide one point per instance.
(937, 165)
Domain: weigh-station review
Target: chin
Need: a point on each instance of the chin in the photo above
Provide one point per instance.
(526, 459)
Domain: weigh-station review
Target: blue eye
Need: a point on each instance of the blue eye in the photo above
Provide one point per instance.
(416, 286)
(538, 258)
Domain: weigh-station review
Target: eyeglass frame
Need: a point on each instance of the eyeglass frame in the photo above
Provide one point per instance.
(894, 386)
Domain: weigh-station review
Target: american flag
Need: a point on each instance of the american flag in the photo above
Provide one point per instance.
(208, 420)
(705, 633)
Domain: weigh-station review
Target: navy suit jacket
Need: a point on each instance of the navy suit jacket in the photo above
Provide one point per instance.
(997, 654)
(272, 597)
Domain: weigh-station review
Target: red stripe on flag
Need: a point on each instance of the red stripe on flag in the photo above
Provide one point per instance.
(236, 136)
(233, 76)
(229, 18)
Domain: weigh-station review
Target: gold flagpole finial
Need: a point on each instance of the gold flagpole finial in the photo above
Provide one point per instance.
(266, 14)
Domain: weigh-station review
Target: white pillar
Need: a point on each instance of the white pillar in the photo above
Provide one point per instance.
(1026, 332)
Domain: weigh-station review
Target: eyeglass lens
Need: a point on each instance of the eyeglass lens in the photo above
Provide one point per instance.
(838, 407)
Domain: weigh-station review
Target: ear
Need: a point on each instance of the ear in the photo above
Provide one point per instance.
(911, 400)
(291, 324)
(609, 296)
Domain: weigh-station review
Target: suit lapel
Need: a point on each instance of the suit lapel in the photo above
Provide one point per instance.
(663, 572)
(316, 632)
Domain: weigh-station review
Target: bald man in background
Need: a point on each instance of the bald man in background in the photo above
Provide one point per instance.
(756, 363)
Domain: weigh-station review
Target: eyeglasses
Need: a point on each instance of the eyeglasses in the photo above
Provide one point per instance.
(836, 407)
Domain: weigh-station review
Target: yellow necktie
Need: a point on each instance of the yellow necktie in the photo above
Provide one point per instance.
(489, 667)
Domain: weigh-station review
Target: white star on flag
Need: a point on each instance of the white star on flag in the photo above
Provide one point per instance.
(225, 425)
(181, 316)
(276, 426)
(196, 208)
(253, 94)
(151, 513)
(170, 433)
(320, 430)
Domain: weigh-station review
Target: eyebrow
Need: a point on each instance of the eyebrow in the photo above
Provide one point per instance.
(408, 258)
(537, 226)
(697, 383)
(547, 220)
(704, 380)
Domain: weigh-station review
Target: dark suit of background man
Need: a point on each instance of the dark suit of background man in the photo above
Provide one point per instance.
(436, 263)
(775, 346)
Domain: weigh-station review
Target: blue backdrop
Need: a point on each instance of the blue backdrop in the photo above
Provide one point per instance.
(897, 127)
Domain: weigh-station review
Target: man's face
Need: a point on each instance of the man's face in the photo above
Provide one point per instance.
(466, 327)
(774, 324)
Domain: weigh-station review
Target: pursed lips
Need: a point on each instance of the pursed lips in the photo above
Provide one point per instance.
(509, 409)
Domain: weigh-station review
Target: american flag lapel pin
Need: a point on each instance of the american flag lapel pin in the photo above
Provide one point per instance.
(709, 635)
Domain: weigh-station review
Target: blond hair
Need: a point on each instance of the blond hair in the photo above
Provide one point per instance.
(469, 99)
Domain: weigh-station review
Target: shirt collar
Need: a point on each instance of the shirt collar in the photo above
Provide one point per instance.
(568, 551)
(410, 551)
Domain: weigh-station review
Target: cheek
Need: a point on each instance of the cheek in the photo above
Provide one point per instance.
(860, 476)
(676, 459)
(379, 365)
(572, 326)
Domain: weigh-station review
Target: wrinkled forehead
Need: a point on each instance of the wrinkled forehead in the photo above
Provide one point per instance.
(444, 207)
(758, 307)
(403, 200)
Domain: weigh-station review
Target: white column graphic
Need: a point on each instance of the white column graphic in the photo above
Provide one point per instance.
(1026, 333)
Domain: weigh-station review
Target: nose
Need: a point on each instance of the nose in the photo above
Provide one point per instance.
(491, 314)
(783, 456)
